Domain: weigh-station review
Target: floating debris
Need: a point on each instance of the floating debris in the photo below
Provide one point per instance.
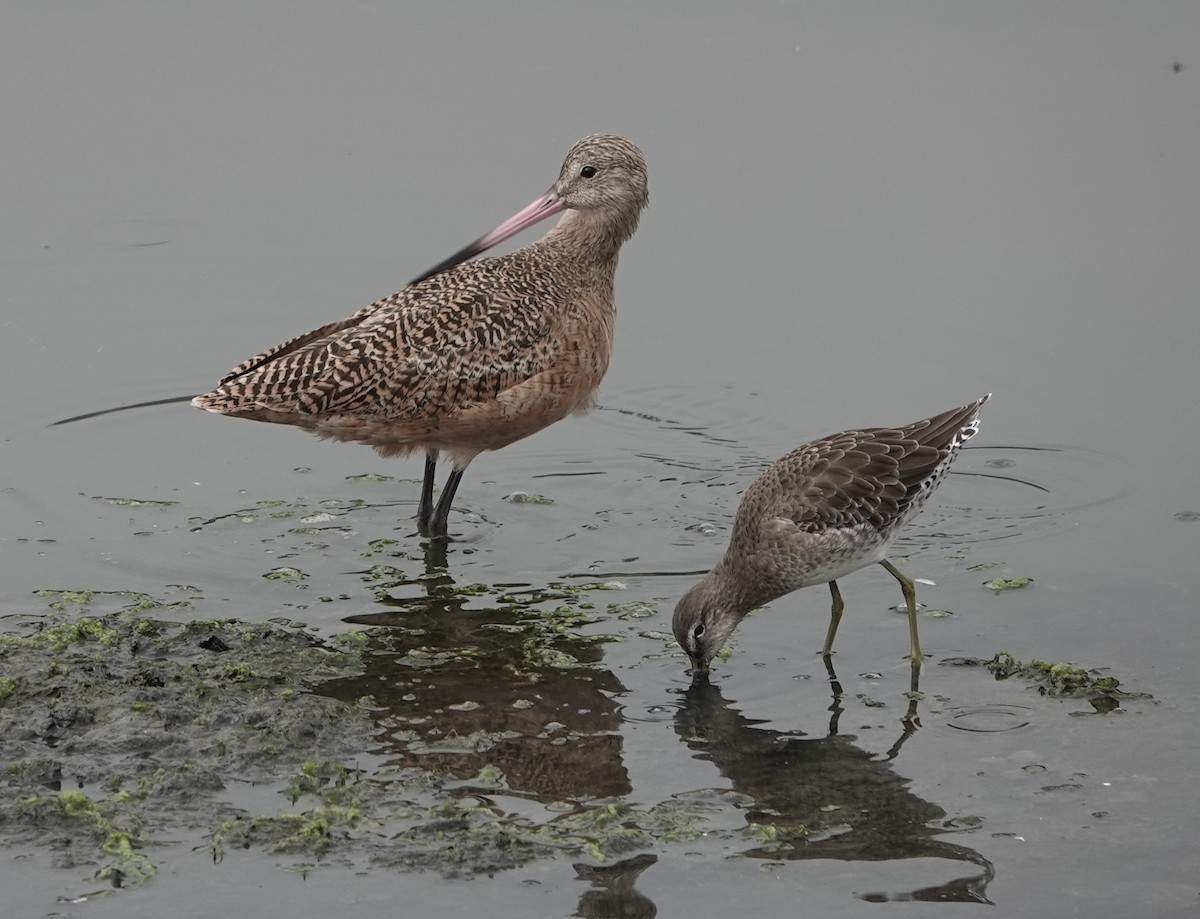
(135, 502)
(1057, 679)
(997, 585)
(285, 574)
(522, 497)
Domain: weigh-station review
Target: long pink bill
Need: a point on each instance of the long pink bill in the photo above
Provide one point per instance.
(545, 206)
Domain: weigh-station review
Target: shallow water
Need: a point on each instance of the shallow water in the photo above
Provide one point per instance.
(857, 217)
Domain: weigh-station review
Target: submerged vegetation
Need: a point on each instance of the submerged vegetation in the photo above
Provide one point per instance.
(205, 705)
(118, 726)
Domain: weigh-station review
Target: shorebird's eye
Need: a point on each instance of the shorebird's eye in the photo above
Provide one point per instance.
(588, 171)
(698, 630)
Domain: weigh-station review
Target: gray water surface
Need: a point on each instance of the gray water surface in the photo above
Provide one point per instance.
(860, 215)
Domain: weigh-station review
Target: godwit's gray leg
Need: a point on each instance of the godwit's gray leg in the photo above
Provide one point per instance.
(473, 355)
(425, 508)
(910, 600)
(441, 516)
(827, 508)
(835, 618)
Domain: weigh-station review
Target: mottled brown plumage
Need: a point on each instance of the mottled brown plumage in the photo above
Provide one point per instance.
(826, 509)
(474, 354)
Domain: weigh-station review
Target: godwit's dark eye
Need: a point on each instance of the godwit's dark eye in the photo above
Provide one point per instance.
(588, 171)
(698, 630)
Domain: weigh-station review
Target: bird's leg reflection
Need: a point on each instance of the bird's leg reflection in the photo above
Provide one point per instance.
(437, 565)
(835, 685)
(910, 723)
(911, 719)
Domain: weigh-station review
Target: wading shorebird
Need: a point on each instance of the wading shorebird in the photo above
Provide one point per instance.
(824, 510)
(472, 355)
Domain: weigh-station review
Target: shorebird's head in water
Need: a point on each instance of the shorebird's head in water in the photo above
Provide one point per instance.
(604, 172)
(702, 624)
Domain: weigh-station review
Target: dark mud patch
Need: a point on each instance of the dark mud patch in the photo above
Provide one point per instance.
(123, 731)
(119, 730)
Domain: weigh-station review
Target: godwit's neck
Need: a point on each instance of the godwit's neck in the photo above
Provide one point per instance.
(592, 236)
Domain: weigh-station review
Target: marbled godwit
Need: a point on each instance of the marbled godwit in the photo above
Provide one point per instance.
(471, 356)
(824, 510)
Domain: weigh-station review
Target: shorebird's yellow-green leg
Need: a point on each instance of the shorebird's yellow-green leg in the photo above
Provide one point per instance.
(910, 599)
(835, 618)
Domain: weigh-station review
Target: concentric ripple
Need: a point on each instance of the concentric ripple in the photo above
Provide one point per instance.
(989, 719)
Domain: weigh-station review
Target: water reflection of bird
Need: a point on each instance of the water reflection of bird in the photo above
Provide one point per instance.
(463, 681)
(613, 895)
(824, 510)
(471, 356)
(837, 800)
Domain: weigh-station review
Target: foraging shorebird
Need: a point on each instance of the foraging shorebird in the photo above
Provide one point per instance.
(824, 510)
(472, 355)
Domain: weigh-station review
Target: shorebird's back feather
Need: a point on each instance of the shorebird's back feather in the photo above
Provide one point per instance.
(877, 476)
